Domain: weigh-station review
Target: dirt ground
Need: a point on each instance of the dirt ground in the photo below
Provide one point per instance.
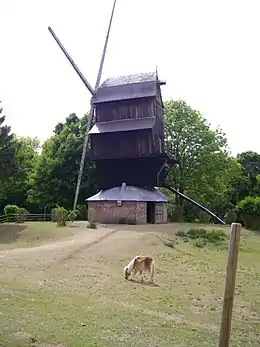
(71, 292)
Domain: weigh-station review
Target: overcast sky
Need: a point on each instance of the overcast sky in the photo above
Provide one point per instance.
(206, 50)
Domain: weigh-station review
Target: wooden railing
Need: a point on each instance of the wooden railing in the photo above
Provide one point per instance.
(31, 217)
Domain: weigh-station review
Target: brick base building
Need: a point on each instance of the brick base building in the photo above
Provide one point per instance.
(128, 203)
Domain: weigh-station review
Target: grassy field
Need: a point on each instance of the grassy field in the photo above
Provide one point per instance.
(32, 234)
(65, 287)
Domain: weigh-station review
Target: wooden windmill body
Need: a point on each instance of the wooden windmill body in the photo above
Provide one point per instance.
(127, 140)
(127, 146)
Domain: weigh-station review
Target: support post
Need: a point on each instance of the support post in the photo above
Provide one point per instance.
(225, 329)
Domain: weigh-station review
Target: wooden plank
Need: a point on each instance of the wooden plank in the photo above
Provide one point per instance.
(225, 330)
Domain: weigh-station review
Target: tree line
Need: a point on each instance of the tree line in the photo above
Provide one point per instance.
(38, 178)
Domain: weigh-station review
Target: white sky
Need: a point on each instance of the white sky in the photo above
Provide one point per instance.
(206, 50)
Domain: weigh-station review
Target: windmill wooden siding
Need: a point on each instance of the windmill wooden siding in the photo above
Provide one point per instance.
(129, 131)
(123, 145)
(126, 109)
(125, 142)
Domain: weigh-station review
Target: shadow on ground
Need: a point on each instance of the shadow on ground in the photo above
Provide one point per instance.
(10, 233)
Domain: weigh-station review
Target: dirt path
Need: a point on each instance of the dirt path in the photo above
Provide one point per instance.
(61, 250)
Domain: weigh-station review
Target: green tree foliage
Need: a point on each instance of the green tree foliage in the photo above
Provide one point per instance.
(205, 166)
(249, 212)
(60, 215)
(251, 163)
(10, 212)
(16, 186)
(8, 148)
(55, 176)
(21, 215)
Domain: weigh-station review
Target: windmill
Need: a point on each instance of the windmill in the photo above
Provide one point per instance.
(127, 145)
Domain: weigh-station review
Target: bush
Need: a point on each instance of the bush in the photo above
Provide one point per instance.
(82, 212)
(200, 243)
(92, 225)
(73, 215)
(175, 213)
(202, 236)
(127, 221)
(10, 211)
(249, 212)
(230, 217)
(21, 215)
(59, 215)
(204, 217)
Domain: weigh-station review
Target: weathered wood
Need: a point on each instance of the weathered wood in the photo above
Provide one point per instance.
(129, 144)
(126, 109)
(225, 329)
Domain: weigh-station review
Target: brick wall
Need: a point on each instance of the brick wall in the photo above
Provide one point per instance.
(141, 212)
(110, 212)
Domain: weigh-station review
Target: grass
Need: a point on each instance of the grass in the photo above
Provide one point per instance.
(30, 234)
(75, 294)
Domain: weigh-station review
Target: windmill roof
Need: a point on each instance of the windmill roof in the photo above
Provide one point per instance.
(129, 193)
(127, 87)
(123, 125)
(129, 79)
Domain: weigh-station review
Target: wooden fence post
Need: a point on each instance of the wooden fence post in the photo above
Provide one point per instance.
(225, 329)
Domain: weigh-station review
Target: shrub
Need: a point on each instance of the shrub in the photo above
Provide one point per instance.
(10, 211)
(59, 215)
(73, 215)
(230, 217)
(21, 215)
(249, 212)
(92, 225)
(175, 214)
(181, 233)
(127, 221)
(131, 221)
(170, 211)
(204, 217)
(201, 236)
(200, 243)
(82, 212)
(169, 243)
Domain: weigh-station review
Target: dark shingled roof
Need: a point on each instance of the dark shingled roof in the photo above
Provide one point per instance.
(130, 79)
(123, 125)
(127, 87)
(129, 193)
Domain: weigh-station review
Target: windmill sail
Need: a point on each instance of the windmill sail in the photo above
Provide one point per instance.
(83, 79)
(91, 113)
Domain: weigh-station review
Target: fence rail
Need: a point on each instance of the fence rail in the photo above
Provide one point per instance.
(31, 217)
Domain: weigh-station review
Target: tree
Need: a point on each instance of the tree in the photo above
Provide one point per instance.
(15, 188)
(248, 182)
(56, 173)
(8, 148)
(204, 166)
(250, 162)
